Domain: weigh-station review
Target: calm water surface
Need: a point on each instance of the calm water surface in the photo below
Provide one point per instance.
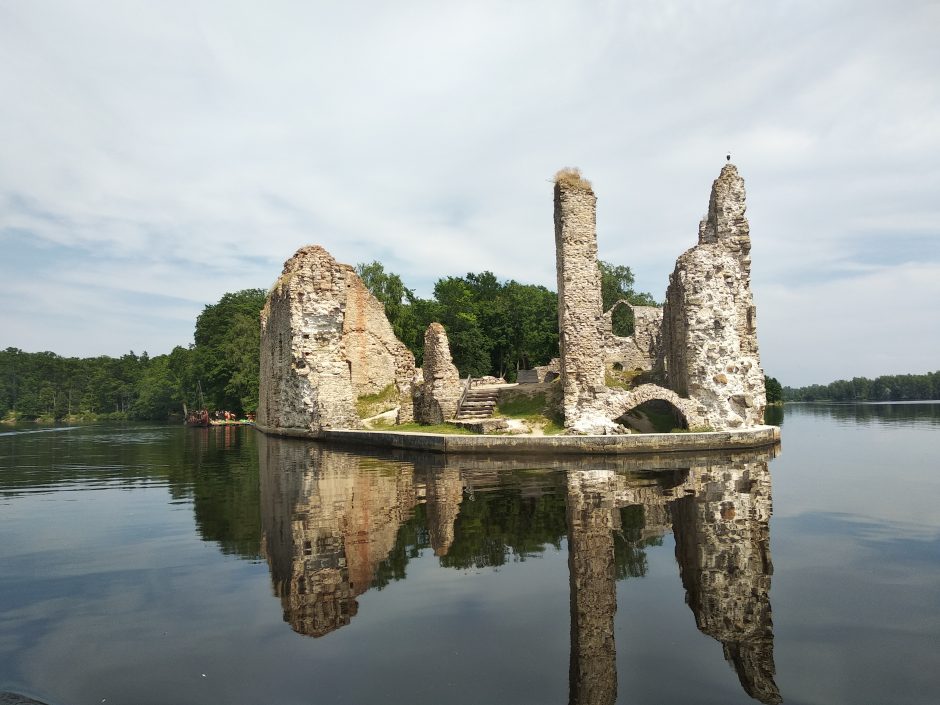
(166, 565)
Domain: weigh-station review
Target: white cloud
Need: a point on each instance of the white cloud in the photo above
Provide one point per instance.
(192, 148)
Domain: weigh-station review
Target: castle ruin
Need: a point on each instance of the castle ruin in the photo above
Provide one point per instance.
(699, 352)
(326, 342)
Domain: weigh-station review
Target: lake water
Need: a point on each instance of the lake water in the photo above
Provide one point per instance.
(161, 565)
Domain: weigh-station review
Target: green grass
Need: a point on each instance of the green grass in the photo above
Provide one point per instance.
(371, 404)
(431, 428)
(621, 379)
(522, 407)
(533, 409)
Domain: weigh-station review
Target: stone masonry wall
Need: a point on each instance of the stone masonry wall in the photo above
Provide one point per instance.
(436, 401)
(325, 341)
(579, 292)
(305, 374)
(640, 350)
(378, 358)
(710, 327)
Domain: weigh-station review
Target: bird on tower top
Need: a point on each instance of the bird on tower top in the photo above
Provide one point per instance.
(728, 156)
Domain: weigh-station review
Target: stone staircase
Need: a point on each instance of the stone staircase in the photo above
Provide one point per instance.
(477, 404)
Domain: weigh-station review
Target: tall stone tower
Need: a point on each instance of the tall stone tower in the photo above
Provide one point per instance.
(306, 376)
(709, 320)
(325, 341)
(579, 291)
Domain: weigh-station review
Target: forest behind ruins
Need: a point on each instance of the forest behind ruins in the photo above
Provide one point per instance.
(495, 328)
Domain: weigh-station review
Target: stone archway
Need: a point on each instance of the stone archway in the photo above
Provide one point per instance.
(620, 403)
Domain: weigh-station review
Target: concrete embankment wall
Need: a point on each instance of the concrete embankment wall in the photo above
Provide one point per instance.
(755, 437)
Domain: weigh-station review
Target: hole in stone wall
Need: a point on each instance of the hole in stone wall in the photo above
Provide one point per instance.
(655, 416)
(622, 322)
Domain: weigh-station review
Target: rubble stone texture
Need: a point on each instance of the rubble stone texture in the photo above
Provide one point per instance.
(702, 345)
(579, 292)
(325, 341)
(639, 351)
(378, 358)
(710, 322)
(436, 400)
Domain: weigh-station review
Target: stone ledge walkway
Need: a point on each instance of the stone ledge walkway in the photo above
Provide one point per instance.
(756, 437)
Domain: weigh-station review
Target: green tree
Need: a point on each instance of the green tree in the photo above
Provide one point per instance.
(227, 350)
(774, 390)
(616, 285)
(388, 288)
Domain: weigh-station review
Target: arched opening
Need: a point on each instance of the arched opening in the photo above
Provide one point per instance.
(622, 319)
(654, 416)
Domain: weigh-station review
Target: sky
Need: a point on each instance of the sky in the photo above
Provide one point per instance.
(154, 156)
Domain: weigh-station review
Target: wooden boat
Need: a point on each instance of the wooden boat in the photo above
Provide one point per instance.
(198, 418)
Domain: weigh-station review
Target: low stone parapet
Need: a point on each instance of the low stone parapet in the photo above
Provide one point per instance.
(638, 443)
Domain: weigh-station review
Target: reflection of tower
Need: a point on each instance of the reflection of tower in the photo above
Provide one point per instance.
(328, 522)
(723, 550)
(591, 518)
(444, 493)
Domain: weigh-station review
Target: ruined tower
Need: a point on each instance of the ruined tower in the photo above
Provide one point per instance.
(579, 291)
(325, 341)
(439, 395)
(709, 320)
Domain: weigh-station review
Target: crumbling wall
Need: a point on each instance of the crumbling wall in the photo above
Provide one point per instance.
(305, 374)
(540, 373)
(378, 359)
(325, 341)
(437, 398)
(710, 326)
(638, 351)
(579, 293)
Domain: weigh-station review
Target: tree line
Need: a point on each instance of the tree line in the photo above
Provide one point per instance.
(494, 327)
(219, 371)
(884, 388)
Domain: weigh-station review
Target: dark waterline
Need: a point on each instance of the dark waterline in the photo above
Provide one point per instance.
(157, 565)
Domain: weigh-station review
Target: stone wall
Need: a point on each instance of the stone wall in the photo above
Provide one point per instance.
(436, 400)
(378, 359)
(540, 373)
(305, 373)
(640, 350)
(579, 293)
(710, 327)
(325, 341)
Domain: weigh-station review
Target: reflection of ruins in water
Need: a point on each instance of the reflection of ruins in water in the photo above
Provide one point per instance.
(333, 525)
(719, 511)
